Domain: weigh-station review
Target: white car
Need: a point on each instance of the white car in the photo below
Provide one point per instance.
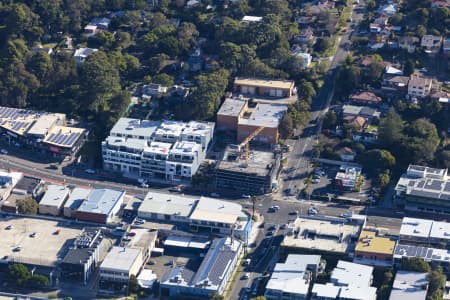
(312, 211)
(246, 276)
(316, 180)
(4, 151)
(246, 196)
(90, 171)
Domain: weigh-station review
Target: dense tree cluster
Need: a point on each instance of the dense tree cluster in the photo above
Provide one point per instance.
(149, 44)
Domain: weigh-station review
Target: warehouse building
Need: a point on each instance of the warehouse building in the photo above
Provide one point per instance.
(116, 269)
(76, 198)
(211, 277)
(167, 150)
(53, 201)
(101, 205)
(254, 175)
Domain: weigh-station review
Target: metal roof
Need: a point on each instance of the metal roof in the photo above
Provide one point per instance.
(120, 259)
(55, 195)
(102, 201)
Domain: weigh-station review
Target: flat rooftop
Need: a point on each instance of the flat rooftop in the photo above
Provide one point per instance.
(172, 128)
(184, 148)
(196, 128)
(231, 107)
(128, 143)
(55, 195)
(322, 234)
(416, 227)
(158, 148)
(120, 259)
(214, 210)
(264, 114)
(45, 248)
(167, 204)
(278, 84)
(370, 242)
(352, 274)
(101, 201)
(255, 165)
(409, 285)
(134, 127)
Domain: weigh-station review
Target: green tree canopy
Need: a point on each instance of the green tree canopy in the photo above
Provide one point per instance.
(18, 274)
(27, 206)
(415, 264)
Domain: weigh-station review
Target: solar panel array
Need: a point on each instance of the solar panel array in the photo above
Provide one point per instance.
(63, 139)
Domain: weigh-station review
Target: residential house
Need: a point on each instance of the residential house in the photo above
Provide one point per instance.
(389, 9)
(153, 90)
(440, 3)
(395, 84)
(195, 61)
(408, 43)
(304, 57)
(431, 43)
(82, 54)
(419, 86)
(365, 98)
(381, 20)
(346, 154)
(305, 35)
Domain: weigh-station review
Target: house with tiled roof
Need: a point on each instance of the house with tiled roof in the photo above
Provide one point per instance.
(419, 86)
(365, 98)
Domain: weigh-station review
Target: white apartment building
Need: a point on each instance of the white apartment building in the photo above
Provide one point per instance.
(167, 150)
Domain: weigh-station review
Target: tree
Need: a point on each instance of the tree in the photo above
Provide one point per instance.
(258, 298)
(436, 284)
(38, 281)
(27, 206)
(329, 120)
(163, 79)
(391, 128)
(286, 126)
(377, 160)
(306, 91)
(421, 140)
(133, 285)
(415, 264)
(216, 297)
(385, 288)
(205, 100)
(18, 274)
(408, 69)
(99, 81)
(322, 44)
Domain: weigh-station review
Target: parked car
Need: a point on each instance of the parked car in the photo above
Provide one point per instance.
(4, 151)
(9, 227)
(33, 234)
(316, 180)
(89, 171)
(246, 196)
(312, 211)
(53, 167)
(246, 276)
